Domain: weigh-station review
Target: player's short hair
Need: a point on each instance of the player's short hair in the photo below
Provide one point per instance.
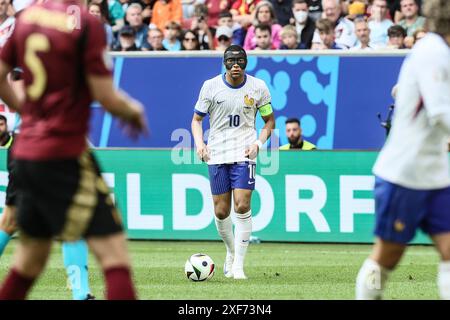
(264, 27)
(2, 117)
(396, 31)
(235, 47)
(325, 25)
(437, 13)
(292, 120)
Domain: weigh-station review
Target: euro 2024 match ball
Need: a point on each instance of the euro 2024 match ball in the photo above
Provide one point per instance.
(199, 267)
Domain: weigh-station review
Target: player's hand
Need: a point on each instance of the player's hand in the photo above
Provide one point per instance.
(252, 151)
(203, 152)
(135, 123)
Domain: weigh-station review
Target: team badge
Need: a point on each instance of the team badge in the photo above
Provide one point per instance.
(399, 226)
(248, 101)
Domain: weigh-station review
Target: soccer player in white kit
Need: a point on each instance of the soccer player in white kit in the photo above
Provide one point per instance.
(412, 188)
(232, 101)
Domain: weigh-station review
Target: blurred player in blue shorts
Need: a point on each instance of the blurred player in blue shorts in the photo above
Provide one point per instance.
(412, 187)
(232, 101)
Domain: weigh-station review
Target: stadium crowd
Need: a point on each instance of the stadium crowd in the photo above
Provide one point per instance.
(173, 25)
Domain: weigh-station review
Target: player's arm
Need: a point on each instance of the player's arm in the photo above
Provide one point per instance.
(434, 85)
(200, 111)
(7, 94)
(118, 103)
(269, 125)
(197, 132)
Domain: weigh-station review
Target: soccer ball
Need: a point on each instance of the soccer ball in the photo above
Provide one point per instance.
(199, 267)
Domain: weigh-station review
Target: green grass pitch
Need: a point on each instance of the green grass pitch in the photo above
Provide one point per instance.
(275, 271)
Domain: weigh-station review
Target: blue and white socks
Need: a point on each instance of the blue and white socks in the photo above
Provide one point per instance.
(75, 255)
(243, 230)
(444, 280)
(371, 280)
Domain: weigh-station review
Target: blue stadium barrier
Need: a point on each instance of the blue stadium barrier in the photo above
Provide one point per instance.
(336, 96)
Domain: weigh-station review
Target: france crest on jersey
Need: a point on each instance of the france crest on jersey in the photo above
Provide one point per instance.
(232, 116)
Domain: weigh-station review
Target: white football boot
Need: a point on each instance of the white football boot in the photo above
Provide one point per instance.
(238, 273)
(228, 265)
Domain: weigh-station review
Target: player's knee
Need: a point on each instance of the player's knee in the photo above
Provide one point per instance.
(444, 251)
(30, 268)
(222, 214)
(221, 210)
(242, 207)
(110, 251)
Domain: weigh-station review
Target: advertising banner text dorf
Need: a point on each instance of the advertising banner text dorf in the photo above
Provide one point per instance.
(322, 196)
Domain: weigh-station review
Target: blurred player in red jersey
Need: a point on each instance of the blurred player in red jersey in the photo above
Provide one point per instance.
(61, 193)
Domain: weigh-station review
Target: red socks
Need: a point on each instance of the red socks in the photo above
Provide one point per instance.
(15, 286)
(119, 285)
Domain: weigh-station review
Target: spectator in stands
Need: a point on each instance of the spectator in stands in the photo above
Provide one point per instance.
(289, 38)
(315, 10)
(304, 24)
(200, 25)
(172, 34)
(326, 31)
(411, 20)
(264, 14)
(397, 37)
(126, 40)
(294, 135)
(104, 8)
(166, 10)
(224, 35)
(155, 40)
(344, 29)
(263, 37)
(116, 15)
(226, 19)
(95, 10)
(190, 40)
(363, 34)
(215, 8)
(379, 24)
(242, 11)
(282, 9)
(134, 19)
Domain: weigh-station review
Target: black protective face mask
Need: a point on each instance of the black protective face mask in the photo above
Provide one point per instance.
(234, 56)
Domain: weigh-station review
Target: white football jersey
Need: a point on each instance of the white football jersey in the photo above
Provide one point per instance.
(232, 116)
(6, 29)
(415, 155)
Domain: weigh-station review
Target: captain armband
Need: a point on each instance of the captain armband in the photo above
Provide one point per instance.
(266, 110)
